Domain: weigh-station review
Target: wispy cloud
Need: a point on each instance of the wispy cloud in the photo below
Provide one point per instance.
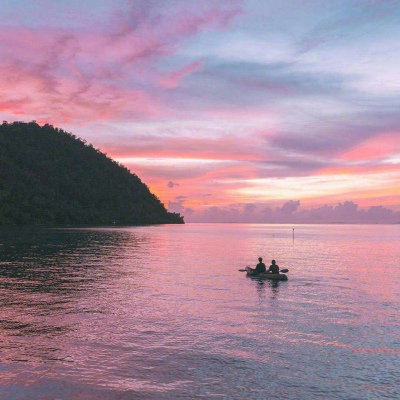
(106, 72)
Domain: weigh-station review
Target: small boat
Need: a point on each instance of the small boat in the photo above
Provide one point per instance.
(265, 275)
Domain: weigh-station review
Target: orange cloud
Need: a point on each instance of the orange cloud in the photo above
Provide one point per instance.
(358, 169)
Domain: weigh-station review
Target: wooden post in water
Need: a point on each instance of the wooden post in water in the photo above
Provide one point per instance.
(293, 234)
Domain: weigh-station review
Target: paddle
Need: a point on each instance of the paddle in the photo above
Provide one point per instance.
(283, 271)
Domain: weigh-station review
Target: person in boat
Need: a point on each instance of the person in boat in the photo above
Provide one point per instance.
(260, 267)
(273, 268)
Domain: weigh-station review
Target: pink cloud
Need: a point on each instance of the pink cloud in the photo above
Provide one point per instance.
(173, 79)
(60, 75)
(43, 69)
(229, 147)
(378, 147)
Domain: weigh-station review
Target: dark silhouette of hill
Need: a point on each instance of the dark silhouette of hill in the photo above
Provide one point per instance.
(48, 176)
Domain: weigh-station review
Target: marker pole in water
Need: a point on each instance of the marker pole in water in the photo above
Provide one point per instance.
(293, 234)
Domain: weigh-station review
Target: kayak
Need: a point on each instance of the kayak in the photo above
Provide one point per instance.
(265, 275)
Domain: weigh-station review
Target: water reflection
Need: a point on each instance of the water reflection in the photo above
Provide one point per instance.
(163, 313)
(267, 288)
(48, 280)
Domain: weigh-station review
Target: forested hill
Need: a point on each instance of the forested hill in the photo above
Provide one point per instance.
(48, 176)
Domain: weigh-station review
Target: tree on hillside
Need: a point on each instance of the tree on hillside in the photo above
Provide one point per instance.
(48, 176)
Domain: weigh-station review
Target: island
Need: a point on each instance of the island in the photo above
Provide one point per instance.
(51, 177)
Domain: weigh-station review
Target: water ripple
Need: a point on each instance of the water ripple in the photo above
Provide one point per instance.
(163, 313)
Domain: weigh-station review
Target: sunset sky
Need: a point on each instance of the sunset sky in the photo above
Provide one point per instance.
(228, 110)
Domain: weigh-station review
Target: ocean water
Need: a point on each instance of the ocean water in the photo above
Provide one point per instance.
(163, 312)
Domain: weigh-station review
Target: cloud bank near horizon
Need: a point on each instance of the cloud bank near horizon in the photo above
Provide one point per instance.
(290, 212)
(242, 101)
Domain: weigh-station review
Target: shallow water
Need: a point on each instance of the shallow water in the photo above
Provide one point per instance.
(162, 312)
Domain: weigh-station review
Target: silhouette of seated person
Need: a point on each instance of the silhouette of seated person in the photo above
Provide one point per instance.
(273, 268)
(260, 267)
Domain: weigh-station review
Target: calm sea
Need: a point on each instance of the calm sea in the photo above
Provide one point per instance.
(162, 312)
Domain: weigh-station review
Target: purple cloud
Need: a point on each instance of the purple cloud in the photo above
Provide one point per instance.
(290, 212)
(289, 207)
(172, 184)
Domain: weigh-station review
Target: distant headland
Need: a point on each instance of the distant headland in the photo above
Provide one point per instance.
(51, 177)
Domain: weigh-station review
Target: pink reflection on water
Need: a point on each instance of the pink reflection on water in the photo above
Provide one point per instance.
(159, 309)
